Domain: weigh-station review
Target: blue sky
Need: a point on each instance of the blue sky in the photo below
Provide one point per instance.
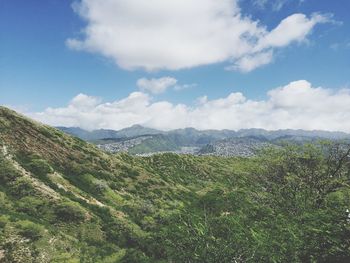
(40, 69)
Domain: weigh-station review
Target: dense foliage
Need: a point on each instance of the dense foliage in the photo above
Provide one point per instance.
(63, 200)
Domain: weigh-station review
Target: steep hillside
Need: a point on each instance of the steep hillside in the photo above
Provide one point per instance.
(64, 200)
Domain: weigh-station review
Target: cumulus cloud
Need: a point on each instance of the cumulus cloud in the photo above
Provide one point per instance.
(156, 86)
(293, 28)
(84, 101)
(177, 34)
(297, 105)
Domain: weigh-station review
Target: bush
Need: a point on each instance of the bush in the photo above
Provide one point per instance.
(31, 205)
(4, 202)
(135, 256)
(3, 221)
(40, 167)
(65, 257)
(7, 172)
(91, 233)
(69, 212)
(30, 230)
(90, 184)
(129, 172)
(22, 187)
(115, 257)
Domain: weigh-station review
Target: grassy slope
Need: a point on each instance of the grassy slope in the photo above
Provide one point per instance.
(158, 143)
(120, 190)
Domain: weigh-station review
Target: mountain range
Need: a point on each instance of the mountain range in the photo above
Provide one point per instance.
(141, 140)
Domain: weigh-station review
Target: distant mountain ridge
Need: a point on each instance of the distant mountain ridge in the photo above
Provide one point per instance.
(142, 140)
(139, 130)
(135, 130)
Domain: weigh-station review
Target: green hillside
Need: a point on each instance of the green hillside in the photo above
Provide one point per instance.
(158, 143)
(64, 200)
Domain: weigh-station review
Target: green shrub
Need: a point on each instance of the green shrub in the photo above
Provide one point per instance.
(89, 183)
(135, 256)
(30, 230)
(91, 233)
(129, 172)
(65, 258)
(22, 187)
(115, 257)
(8, 173)
(3, 221)
(40, 167)
(4, 202)
(32, 205)
(69, 212)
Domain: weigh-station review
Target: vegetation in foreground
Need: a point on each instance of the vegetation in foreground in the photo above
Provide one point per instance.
(63, 200)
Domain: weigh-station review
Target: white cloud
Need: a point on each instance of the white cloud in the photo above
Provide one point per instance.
(184, 86)
(297, 105)
(160, 85)
(294, 28)
(84, 101)
(251, 62)
(177, 34)
(156, 86)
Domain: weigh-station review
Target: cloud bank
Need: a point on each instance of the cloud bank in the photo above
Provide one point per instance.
(178, 34)
(297, 105)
